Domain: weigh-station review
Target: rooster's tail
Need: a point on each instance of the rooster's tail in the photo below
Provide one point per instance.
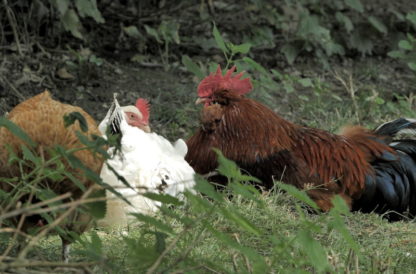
(393, 188)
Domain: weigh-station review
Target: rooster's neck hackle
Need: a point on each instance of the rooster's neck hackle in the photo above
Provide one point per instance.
(264, 126)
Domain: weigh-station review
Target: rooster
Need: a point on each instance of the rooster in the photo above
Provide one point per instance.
(147, 162)
(41, 118)
(372, 170)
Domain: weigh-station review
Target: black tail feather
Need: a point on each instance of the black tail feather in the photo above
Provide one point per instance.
(392, 189)
(393, 128)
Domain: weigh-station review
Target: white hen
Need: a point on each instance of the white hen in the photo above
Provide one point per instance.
(147, 161)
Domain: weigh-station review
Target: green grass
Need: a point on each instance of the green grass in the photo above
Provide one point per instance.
(383, 247)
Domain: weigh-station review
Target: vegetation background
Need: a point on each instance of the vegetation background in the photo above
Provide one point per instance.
(318, 63)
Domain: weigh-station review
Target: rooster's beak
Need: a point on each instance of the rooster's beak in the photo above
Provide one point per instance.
(200, 100)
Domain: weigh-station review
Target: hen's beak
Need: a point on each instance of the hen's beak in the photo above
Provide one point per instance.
(200, 100)
(145, 128)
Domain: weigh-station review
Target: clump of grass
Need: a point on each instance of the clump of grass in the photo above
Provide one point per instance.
(243, 230)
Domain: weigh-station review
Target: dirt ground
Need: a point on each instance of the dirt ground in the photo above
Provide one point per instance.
(85, 84)
(89, 81)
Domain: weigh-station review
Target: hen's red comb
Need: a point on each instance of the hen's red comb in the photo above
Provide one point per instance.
(143, 106)
(216, 82)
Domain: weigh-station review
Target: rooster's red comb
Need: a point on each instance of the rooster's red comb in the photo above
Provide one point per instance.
(216, 82)
(143, 106)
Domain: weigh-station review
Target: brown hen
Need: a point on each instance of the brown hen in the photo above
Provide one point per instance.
(41, 118)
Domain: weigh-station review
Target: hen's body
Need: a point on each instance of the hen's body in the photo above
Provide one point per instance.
(149, 163)
(41, 118)
(357, 165)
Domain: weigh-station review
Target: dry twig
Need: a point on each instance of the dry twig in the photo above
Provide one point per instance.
(12, 22)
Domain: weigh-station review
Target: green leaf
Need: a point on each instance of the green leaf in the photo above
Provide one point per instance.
(96, 243)
(17, 131)
(379, 100)
(277, 74)
(247, 191)
(241, 221)
(309, 26)
(72, 160)
(344, 20)
(412, 65)
(71, 23)
(396, 54)
(377, 24)
(412, 18)
(13, 157)
(89, 8)
(152, 32)
(192, 67)
(300, 195)
(84, 139)
(313, 250)
(54, 175)
(47, 194)
(255, 259)
(98, 208)
(75, 180)
(290, 52)
(305, 82)
(132, 31)
(255, 65)
(169, 212)
(361, 41)
(154, 222)
(61, 5)
(169, 31)
(164, 198)
(341, 227)
(199, 204)
(411, 38)
(92, 246)
(28, 155)
(219, 40)
(355, 4)
(230, 242)
(95, 60)
(226, 167)
(339, 206)
(243, 48)
(138, 251)
(230, 169)
(404, 44)
(160, 244)
(204, 187)
(70, 119)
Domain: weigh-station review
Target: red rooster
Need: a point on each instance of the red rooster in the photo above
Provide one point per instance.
(371, 170)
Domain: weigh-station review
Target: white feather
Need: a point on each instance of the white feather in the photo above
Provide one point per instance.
(150, 163)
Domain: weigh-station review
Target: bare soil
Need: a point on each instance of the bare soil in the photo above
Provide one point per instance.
(86, 84)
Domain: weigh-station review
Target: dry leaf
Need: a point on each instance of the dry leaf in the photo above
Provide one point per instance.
(64, 74)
